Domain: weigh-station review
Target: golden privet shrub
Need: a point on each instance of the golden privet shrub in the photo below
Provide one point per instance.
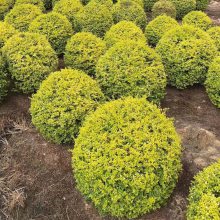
(62, 102)
(214, 33)
(95, 18)
(186, 52)
(130, 11)
(38, 3)
(4, 81)
(6, 32)
(131, 68)
(126, 159)
(198, 19)
(124, 30)
(204, 196)
(158, 27)
(162, 7)
(55, 27)
(22, 15)
(69, 8)
(30, 58)
(83, 51)
(212, 82)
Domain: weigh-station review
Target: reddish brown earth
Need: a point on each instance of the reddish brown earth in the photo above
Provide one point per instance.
(36, 180)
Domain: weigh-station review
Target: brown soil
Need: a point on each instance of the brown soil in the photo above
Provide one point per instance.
(36, 180)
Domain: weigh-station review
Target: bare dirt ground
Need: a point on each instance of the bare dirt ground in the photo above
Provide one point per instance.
(36, 181)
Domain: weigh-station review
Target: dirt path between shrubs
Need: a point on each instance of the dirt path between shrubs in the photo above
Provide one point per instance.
(36, 180)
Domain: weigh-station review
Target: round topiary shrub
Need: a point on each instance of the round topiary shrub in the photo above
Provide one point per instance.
(6, 32)
(38, 3)
(204, 197)
(212, 82)
(201, 5)
(69, 8)
(4, 81)
(183, 7)
(164, 7)
(83, 51)
(131, 68)
(30, 59)
(22, 15)
(158, 27)
(148, 4)
(107, 3)
(198, 19)
(186, 53)
(130, 11)
(55, 27)
(5, 6)
(95, 18)
(62, 102)
(126, 159)
(122, 31)
(214, 33)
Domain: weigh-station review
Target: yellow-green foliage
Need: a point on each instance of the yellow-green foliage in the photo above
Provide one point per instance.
(204, 197)
(212, 83)
(183, 7)
(131, 68)
(6, 32)
(107, 3)
(69, 8)
(30, 59)
(186, 53)
(158, 27)
(5, 6)
(126, 159)
(83, 51)
(164, 7)
(22, 15)
(55, 27)
(95, 18)
(148, 4)
(62, 102)
(122, 31)
(140, 2)
(202, 4)
(198, 19)
(214, 33)
(4, 81)
(130, 11)
(38, 3)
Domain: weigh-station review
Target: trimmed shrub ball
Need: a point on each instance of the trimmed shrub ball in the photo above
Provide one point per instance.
(55, 27)
(183, 7)
(131, 68)
(62, 102)
(140, 2)
(214, 33)
(158, 27)
(130, 11)
(164, 7)
(126, 158)
(69, 8)
(38, 3)
(6, 32)
(107, 3)
(122, 31)
(148, 4)
(212, 82)
(95, 18)
(201, 5)
(4, 81)
(186, 53)
(22, 15)
(30, 59)
(5, 6)
(198, 19)
(83, 51)
(204, 197)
